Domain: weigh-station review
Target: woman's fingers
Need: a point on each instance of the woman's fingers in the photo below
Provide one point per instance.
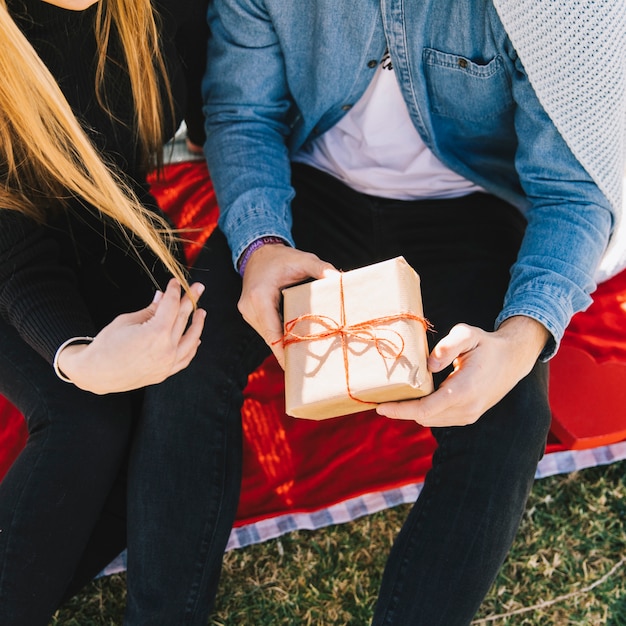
(143, 347)
(172, 311)
(189, 342)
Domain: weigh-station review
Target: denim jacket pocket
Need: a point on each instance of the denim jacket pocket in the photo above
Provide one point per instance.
(463, 89)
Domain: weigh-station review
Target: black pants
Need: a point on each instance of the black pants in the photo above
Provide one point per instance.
(461, 528)
(157, 470)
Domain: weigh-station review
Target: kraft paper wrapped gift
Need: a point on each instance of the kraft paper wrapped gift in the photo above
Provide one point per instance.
(353, 340)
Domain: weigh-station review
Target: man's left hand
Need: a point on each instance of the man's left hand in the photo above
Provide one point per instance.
(487, 365)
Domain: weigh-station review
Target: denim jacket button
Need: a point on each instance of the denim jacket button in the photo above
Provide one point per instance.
(372, 64)
(346, 107)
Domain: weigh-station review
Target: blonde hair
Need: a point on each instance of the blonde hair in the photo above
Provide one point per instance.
(139, 36)
(44, 152)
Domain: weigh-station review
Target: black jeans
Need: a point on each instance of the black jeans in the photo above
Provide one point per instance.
(157, 470)
(459, 531)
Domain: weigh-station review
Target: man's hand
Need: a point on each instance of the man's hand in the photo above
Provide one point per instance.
(269, 269)
(140, 348)
(487, 365)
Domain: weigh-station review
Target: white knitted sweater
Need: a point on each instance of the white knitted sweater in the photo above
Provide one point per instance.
(574, 52)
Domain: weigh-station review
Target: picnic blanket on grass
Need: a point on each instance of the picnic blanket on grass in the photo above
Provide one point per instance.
(301, 474)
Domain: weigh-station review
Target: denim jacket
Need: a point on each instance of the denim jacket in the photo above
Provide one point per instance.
(282, 72)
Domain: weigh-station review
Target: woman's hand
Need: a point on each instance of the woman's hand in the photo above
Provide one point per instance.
(487, 365)
(271, 268)
(140, 348)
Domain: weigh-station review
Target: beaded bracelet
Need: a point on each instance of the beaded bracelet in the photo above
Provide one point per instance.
(70, 342)
(255, 245)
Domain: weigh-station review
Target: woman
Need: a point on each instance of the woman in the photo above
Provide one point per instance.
(90, 92)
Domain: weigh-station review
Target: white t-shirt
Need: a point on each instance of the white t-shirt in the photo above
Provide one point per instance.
(375, 149)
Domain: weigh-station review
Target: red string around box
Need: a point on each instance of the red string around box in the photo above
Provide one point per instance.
(362, 331)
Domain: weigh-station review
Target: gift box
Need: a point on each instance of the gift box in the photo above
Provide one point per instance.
(353, 340)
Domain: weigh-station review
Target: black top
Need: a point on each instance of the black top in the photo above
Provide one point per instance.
(74, 274)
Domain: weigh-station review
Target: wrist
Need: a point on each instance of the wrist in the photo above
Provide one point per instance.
(255, 245)
(530, 334)
(65, 350)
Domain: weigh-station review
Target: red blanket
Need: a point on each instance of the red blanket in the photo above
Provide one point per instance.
(293, 466)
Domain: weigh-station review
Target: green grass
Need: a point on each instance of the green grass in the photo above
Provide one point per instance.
(565, 568)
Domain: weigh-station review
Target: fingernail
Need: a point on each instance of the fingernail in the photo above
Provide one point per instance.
(157, 296)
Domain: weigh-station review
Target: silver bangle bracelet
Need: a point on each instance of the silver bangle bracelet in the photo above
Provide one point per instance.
(65, 344)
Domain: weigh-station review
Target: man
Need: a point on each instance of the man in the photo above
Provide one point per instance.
(344, 133)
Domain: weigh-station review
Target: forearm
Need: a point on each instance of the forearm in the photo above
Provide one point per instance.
(38, 295)
(569, 223)
(246, 138)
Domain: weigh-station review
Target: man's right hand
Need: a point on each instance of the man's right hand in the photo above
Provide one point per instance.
(269, 269)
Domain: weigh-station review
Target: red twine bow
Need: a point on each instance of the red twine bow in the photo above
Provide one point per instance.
(362, 331)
